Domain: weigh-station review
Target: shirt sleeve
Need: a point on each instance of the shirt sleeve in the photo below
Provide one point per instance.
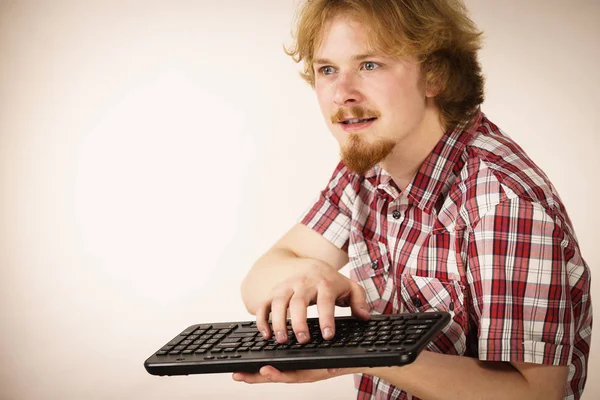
(331, 212)
(527, 280)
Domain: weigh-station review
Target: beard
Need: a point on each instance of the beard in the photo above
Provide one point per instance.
(360, 155)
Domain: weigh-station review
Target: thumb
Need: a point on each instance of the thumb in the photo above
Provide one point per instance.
(358, 301)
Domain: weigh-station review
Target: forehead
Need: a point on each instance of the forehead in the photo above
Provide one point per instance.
(343, 37)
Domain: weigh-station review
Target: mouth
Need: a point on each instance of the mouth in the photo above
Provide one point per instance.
(353, 125)
(357, 121)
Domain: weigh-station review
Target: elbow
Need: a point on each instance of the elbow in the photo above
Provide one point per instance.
(250, 305)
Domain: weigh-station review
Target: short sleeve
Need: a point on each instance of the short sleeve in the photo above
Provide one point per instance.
(331, 212)
(527, 280)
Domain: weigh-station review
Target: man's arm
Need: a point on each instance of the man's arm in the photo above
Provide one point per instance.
(298, 250)
(434, 376)
(439, 376)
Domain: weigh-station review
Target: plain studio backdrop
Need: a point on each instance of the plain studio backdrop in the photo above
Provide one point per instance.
(152, 151)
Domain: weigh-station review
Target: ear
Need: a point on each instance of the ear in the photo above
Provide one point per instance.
(432, 86)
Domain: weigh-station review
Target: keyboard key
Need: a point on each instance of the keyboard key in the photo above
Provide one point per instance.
(430, 316)
(176, 341)
(246, 330)
(188, 331)
(231, 340)
(227, 345)
(222, 357)
(244, 334)
(209, 357)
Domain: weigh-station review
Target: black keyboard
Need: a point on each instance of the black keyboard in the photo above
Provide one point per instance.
(384, 340)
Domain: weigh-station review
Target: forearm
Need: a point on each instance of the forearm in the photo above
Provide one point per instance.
(438, 376)
(269, 271)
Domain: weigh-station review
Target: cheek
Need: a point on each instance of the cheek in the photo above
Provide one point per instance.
(321, 93)
(324, 100)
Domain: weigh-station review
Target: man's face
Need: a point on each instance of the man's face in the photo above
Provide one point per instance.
(352, 82)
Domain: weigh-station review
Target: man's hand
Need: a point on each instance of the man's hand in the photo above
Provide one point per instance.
(269, 374)
(321, 285)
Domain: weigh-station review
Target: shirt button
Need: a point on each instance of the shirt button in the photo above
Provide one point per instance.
(374, 264)
(396, 214)
(417, 302)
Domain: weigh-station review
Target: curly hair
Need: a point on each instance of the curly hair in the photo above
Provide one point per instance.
(439, 33)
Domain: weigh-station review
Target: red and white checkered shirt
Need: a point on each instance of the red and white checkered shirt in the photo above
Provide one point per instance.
(480, 232)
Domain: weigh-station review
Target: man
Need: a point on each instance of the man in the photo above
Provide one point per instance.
(434, 207)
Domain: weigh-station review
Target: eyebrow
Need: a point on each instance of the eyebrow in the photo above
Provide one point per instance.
(354, 58)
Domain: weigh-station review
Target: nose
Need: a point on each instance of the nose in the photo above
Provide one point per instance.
(346, 90)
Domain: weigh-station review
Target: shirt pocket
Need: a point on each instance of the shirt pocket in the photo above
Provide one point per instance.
(370, 267)
(423, 294)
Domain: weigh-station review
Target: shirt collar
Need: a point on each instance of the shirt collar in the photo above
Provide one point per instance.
(432, 179)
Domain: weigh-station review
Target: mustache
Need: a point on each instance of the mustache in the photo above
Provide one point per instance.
(355, 112)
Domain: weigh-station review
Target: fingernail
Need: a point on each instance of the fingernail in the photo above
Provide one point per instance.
(301, 336)
(280, 335)
(264, 333)
(327, 333)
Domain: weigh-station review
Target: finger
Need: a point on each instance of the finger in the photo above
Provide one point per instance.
(358, 301)
(271, 374)
(249, 377)
(298, 305)
(262, 320)
(279, 307)
(326, 310)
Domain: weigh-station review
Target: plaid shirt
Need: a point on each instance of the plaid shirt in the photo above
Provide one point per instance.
(480, 232)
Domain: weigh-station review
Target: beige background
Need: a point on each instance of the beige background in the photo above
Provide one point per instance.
(151, 151)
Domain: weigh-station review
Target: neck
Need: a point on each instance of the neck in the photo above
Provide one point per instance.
(408, 154)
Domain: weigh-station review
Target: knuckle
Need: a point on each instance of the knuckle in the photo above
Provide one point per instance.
(298, 301)
(326, 285)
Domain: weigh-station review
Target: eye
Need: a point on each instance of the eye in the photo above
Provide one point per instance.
(326, 70)
(370, 65)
